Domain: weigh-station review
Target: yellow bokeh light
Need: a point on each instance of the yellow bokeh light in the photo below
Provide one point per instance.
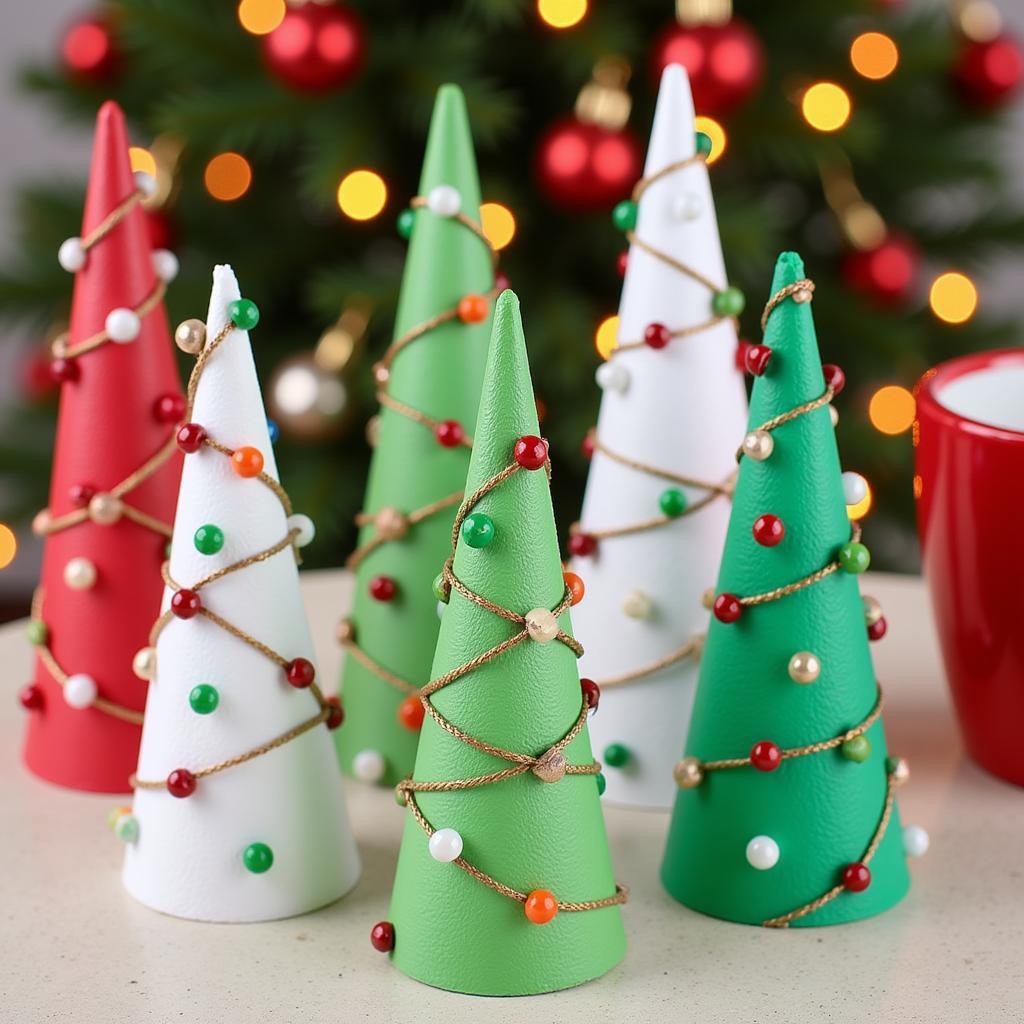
(142, 160)
(606, 340)
(953, 297)
(498, 223)
(874, 55)
(362, 195)
(8, 545)
(562, 13)
(715, 132)
(826, 106)
(227, 176)
(892, 409)
(261, 17)
(862, 507)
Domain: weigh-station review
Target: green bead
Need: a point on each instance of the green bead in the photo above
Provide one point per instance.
(439, 590)
(257, 858)
(37, 633)
(624, 215)
(126, 828)
(703, 142)
(858, 749)
(601, 784)
(672, 502)
(854, 557)
(477, 530)
(115, 815)
(406, 221)
(244, 313)
(204, 699)
(729, 302)
(616, 754)
(209, 539)
(167, 550)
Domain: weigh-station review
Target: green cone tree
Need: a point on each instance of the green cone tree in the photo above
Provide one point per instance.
(759, 841)
(439, 376)
(450, 929)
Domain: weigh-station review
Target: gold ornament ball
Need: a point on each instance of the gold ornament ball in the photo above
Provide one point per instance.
(373, 431)
(551, 767)
(802, 295)
(688, 773)
(41, 522)
(707, 599)
(872, 610)
(190, 336)
(80, 574)
(636, 604)
(390, 523)
(144, 663)
(900, 771)
(105, 509)
(542, 625)
(804, 667)
(758, 445)
(345, 633)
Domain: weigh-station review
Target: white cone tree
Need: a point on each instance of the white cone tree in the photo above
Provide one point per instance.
(238, 813)
(674, 409)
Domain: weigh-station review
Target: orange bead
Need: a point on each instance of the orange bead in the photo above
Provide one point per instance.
(540, 906)
(410, 713)
(247, 461)
(472, 309)
(575, 585)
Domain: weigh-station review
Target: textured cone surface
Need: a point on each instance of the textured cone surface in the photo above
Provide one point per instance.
(452, 931)
(683, 410)
(106, 429)
(821, 809)
(440, 375)
(188, 857)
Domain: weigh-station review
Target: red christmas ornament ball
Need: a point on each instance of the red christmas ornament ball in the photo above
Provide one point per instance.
(449, 433)
(765, 756)
(190, 437)
(886, 273)
(64, 371)
(756, 359)
(727, 608)
(81, 494)
(769, 530)
(181, 783)
(36, 380)
(32, 698)
(383, 588)
(582, 544)
(169, 408)
(588, 444)
(742, 348)
(657, 335)
(621, 262)
(382, 937)
(335, 713)
(300, 673)
(316, 48)
(834, 377)
(89, 51)
(531, 452)
(989, 73)
(856, 877)
(162, 234)
(185, 604)
(591, 693)
(878, 629)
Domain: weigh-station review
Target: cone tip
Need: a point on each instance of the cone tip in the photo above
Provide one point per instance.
(674, 76)
(789, 268)
(507, 304)
(672, 136)
(110, 113)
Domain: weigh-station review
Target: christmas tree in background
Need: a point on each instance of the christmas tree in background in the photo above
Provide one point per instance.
(429, 387)
(238, 813)
(656, 505)
(115, 472)
(786, 810)
(504, 883)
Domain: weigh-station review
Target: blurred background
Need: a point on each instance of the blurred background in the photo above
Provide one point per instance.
(881, 138)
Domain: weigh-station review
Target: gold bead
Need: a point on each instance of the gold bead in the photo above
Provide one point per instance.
(59, 346)
(758, 445)
(636, 604)
(804, 667)
(707, 599)
(872, 610)
(345, 632)
(41, 522)
(144, 663)
(688, 773)
(390, 523)
(105, 509)
(900, 771)
(551, 766)
(802, 295)
(373, 431)
(542, 625)
(381, 374)
(190, 336)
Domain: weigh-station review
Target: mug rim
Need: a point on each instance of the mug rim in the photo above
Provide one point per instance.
(953, 369)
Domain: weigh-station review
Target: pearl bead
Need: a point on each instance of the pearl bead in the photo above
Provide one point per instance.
(758, 445)
(126, 828)
(144, 663)
(190, 336)
(445, 845)
(441, 606)
(105, 509)
(80, 690)
(707, 599)
(637, 605)
(390, 524)
(373, 431)
(612, 376)
(915, 840)
(41, 522)
(687, 206)
(123, 325)
(80, 574)
(898, 769)
(368, 765)
(165, 265)
(855, 488)
(804, 667)
(688, 773)
(305, 526)
(542, 625)
(71, 255)
(872, 609)
(381, 373)
(444, 200)
(762, 853)
(551, 766)
(345, 633)
(833, 414)
(145, 183)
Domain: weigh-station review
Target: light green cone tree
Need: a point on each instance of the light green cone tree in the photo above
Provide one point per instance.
(438, 375)
(813, 815)
(450, 929)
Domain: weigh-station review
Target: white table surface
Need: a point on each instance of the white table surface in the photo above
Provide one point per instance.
(75, 947)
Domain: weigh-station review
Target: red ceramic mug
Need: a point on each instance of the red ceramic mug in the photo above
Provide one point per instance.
(969, 440)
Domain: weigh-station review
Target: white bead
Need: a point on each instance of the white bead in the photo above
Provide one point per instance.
(80, 574)
(165, 265)
(542, 625)
(440, 609)
(368, 765)
(855, 488)
(71, 255)
(612, 376)
(636, 604)
(833, 413)
(915, 840)
(305, 526)
(145, 183)
(80, 690)
(123, 325)
(687, 206)
(445, 845)
(444, 200)
(762, 853)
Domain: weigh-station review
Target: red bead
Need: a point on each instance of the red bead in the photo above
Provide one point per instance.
(588, 444)
(856, 877)
(186, 604)
(531, 451)
(622, 262)
(32, 697)
(727, 608)
(63, 371)
(411, 713)
(169, 408)
(878, 629)
(756, 359)
(300, 673)
(382, 937)
(449, 433)
(181, 783)
(501, 282)
(834, 376)
(191, 437)
(657, 335)
(472, 309)
(582, 544)
(383, 588)
(81, 494)
(765, 756)
(591, 693)
(741, 355)
(769, 530)
(335, 713)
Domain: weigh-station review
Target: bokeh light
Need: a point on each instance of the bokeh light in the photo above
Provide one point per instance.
(606, 339)
(953, 297)
(874, 55)
(714, 131)
(8, 545)
(562, 13)
(142, 160)
(826, 106)
(892, 409)
(261, 17)
(862, 507)
(362, 195)
(227, 176)
(498, 223)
